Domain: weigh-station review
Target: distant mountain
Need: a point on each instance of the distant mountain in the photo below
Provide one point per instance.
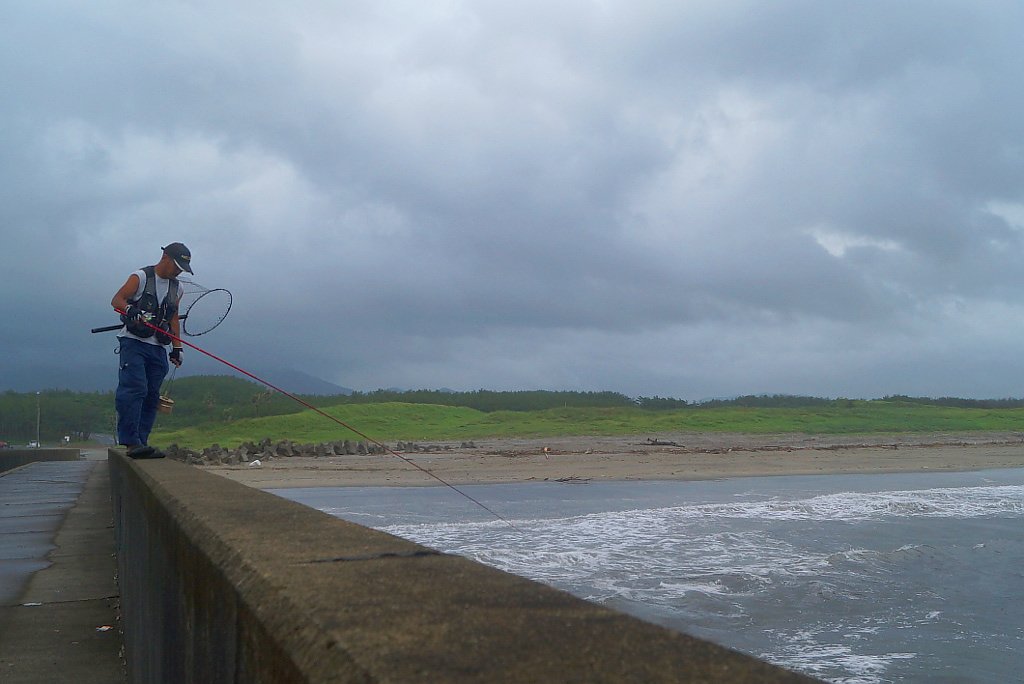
(298, 382)
(103, 377)
(288, 379)
(81, 377)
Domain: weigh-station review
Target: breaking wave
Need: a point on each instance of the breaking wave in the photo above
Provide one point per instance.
(823, 584)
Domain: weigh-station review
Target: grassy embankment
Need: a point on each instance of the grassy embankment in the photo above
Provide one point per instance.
(389, 422)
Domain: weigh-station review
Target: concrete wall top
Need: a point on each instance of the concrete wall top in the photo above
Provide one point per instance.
(342, 602)
(13, 458)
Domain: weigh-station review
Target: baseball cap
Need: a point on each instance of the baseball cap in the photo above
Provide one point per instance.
(180, 254)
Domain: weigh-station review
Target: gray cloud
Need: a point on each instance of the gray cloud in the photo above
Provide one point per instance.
(693, 200)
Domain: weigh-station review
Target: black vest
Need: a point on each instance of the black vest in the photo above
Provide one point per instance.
(159, 313)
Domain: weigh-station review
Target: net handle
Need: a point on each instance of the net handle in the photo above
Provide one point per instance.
(184, 316)
(108, 328)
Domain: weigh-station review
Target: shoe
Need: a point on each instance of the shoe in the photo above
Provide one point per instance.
(140, 451)
(154, 453)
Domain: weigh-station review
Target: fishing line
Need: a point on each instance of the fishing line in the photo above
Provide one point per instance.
(336, 420)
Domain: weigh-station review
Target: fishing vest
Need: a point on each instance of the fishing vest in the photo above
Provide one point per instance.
(160, 313)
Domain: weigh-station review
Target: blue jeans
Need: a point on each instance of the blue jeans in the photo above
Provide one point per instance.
(142, 370)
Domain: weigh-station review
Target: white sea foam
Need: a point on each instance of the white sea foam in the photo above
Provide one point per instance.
(804, 653)
(968, 502)
(656, 523)
(342, 512)
(738, 563)
(654, 543)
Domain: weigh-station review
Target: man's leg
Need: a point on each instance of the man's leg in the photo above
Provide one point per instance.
(131, 391)
(156, 370)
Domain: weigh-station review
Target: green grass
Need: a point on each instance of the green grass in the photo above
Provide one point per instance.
(390, 422)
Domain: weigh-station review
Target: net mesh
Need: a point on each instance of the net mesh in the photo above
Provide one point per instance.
(202, 308)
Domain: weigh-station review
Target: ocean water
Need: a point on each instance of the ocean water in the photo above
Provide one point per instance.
(850, 578)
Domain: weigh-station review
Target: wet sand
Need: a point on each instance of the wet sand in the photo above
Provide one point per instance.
(689, 456)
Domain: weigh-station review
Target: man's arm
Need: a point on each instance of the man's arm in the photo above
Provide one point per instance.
(128, 290)
(174, 326)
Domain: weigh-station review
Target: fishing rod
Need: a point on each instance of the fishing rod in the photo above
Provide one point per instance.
(206, 312)
(327, 416)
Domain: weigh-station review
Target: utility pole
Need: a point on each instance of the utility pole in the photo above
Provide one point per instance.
(38, 415)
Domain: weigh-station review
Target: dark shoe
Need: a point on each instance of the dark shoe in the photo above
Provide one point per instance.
(155, 453)
(140, 451)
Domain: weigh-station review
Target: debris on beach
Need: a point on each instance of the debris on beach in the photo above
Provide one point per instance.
(265, 450)
(256, 454)
(413, 446)
(662, 442)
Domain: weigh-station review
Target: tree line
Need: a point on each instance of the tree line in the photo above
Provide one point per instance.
(220, 398)
(55, 414)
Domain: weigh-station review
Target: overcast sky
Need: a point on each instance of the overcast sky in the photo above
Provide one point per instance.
(687, 199)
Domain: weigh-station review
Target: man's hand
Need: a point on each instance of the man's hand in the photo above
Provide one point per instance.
(132, 314)
(175, 357)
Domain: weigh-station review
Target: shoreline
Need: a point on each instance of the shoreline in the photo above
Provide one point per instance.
(689, 456)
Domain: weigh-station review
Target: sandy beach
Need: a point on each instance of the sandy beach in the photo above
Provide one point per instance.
(686, 456)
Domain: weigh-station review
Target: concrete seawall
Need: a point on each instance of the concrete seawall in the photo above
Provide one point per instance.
(14, 458)
(221, 582)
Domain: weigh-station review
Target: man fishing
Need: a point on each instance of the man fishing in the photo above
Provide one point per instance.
(149, 302)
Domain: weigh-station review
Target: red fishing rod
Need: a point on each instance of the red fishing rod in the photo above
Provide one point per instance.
(325, 415)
